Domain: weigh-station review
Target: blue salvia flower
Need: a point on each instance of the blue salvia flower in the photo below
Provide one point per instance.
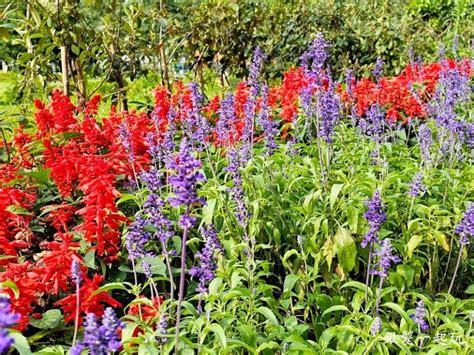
(416, 186)
(236, 161)
(76, 272)
(196, 125)
(226, 119)
(378, 68)
(465, 228)
(269, 127)
(376, 326)
(161, 328)
(152, 179)
(124, 135)
(328, 107)
(184, 178)
(7, 319)
(426, 141)
(375, 215)
(385, 259)
(315, 57)
(207, 263)
(250, 103)
(420, 316)
(153, 207)
(374, 123)
(136, 239)
(100, 339)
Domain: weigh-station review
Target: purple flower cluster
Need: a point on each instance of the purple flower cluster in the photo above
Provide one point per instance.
(161, 328)
(385, 259)
(250, 103)
(328, 107)
(136, 239)
(100, 339)
(207, 264)
(76, 272)
(375, 215)
(416, 186)
(153, 207)
(226, 119)
(269, 127)
(374, 122)
(420, 315)
(183, 180)
(7, 319)
(152, 179)
(315, 57)
(378, 68)
(465, 228)
(236, 160)
(376, 326)
(197, 126)
(124, 135)
(426, 141)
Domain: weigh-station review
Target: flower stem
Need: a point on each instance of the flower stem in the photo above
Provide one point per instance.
(456, 269)
(181, 287)
(368, 273)
(379, 294)
(170, 271)
(76, 320)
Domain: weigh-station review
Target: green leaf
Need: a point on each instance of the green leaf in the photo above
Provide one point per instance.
(18, 210)
(413, 243)
(335, 308)
(89, 259)
(12, 286)
(345, 248)
(470, 290)
(395, 307)
(219, 333)
(49, 320)
(267, 312)
(20, 343)
(51, 350)
(335, 190)
(110, 286)
(208, 211)
(358, 285)
(290, 281)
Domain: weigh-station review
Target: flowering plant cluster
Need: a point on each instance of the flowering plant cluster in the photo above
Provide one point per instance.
(238, 223)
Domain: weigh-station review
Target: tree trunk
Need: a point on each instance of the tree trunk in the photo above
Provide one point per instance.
(165, 80)
(81, 85)
(65, 69)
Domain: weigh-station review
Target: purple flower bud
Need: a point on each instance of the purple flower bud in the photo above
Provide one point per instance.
(162, 329)
(268, 125)
(426, 141)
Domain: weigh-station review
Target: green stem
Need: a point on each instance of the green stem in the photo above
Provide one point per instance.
(456, 269)
(181, 285)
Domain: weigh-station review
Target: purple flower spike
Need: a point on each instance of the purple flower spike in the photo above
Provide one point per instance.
(420, 315)
(375, 215)
(269, 127)
(184, 178)
(376, 326)
(76, 272)
(315, 57)
(465, 228)
(426, 141)
(416, 187)
(385, 259)
(100, 339)
(205, 271)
